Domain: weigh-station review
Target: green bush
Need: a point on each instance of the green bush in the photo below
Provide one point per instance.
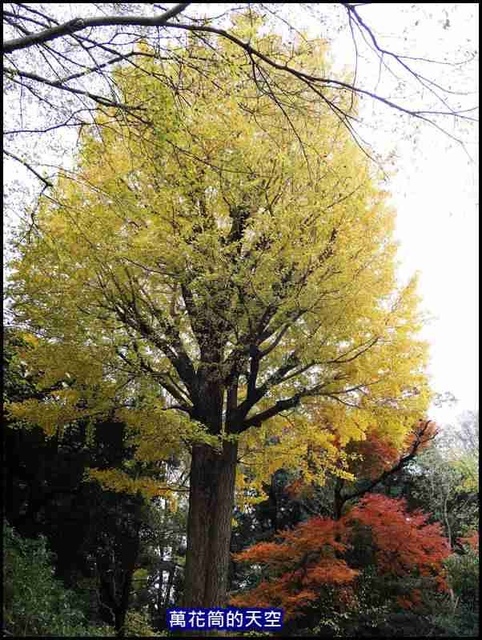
(461, 615)
(463, 577)
(137, 625)
(35, 603)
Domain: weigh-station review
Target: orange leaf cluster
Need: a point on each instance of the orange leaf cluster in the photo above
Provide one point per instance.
(301, 561)
(298, 563)
(422, 435)
(410, 601)
(295, 488)
(376, 455)
(404, 541)
(472, 540)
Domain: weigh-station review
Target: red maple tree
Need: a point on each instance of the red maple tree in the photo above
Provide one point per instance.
(404, 541)
(295, 567)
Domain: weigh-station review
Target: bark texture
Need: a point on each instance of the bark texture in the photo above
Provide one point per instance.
(211, 503)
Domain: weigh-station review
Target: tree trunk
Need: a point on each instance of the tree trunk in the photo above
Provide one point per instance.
(339, 500)
(211, 504)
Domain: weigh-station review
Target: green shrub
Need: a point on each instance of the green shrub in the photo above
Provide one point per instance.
(460, 618)
(35, 603)
(463, 577)
(137, 625)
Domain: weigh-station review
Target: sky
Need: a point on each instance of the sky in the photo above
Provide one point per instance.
(434, 188)
(437, 226)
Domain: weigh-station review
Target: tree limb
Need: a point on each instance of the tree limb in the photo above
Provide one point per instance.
(79, 24)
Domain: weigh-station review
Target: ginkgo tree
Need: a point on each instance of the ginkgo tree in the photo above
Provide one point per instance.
(210, 267)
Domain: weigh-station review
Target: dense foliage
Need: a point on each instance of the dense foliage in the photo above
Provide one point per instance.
(35, 602)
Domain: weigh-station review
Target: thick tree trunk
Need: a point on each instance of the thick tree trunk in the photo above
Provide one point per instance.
(211, 503)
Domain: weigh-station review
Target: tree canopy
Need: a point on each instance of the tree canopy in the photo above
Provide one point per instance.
(236, 259)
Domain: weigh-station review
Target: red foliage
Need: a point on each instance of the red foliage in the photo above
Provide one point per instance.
(404, 542)
(411, 601)
(375, 456)
(421, 436)
(472, 540)
(299, 563)
(296, 488)
(312, 555)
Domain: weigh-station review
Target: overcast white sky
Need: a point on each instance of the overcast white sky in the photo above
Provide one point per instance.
(437, 224)
(435, 190)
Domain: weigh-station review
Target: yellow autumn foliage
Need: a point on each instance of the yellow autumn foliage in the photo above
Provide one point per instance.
(226, 247)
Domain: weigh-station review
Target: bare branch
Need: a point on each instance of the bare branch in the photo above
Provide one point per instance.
(60, 84)
(79, 24)
(46, 182)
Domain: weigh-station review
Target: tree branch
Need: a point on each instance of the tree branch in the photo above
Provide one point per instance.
(79, 24)
(59, 84)
(46, 182)
(403, 461)
(259, 418)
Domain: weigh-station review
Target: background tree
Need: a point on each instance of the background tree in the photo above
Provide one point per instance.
(461, 618)
(94, 534)
(157, 583)
(372, 464)
(223, 264)
(444, 479)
